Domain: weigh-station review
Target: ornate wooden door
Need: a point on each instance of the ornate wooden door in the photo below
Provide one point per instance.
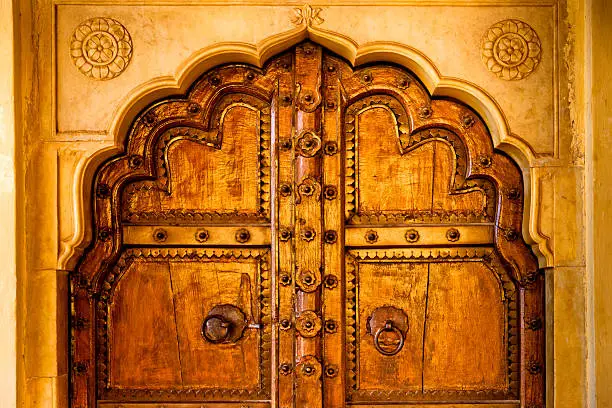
(307, 235)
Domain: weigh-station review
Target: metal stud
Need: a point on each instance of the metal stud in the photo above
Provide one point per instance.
(330, 326)
(103, 191)
(242, 235)
(514, 194)
(330, 192)
(331, 371)
(285, 190)
(331, 281)
(285, 234)
(135, 161)
(285, 324)
(308, 369)
(485, 161)
(534, 323)
(215, 80)
(453, 234)
(412, 235)
(104, 234)
(308, 234)
(330, 148)
(201, 235)
(331, 236)
(285, 368)
(285, 279)
(285, 145)
(511, 235)
(160, 235)
(371, 236)
(193, 108)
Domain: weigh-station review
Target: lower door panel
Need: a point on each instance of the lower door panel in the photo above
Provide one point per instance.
(430, 324)
(164, 332)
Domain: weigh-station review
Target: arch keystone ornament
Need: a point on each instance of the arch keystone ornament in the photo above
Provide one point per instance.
(511, 49)
(101, 48)
(307, 15)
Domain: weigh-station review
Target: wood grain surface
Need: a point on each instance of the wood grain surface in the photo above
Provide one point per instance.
(307, 234)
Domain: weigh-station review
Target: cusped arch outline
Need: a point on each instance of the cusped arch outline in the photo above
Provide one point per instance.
(209, 57)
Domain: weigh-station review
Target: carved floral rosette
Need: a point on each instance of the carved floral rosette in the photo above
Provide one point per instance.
(511, 49)
(101, 48)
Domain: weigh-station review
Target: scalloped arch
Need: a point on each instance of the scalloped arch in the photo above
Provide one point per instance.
(257, 54)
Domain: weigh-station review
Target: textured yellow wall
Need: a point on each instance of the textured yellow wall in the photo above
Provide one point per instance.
(7, 210)
(602, 198)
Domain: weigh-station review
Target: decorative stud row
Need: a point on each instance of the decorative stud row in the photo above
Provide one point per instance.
(242, 235)
(412, 235)
(474, 234)
(185, 235)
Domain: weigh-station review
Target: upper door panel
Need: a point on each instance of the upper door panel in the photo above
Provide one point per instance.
(209, 175)
(395, 175)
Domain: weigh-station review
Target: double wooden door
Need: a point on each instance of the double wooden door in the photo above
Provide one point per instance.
(307, 235)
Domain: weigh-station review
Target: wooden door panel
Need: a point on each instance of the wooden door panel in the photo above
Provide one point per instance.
(198, 287)
(209, 175)
(395, 176)
(156, 312)
(142, 333)
(466, 342)
(460, 306)
(307, 234)
(399, 284)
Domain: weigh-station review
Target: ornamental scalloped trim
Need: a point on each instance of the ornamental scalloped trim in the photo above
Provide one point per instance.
(101, 48)
(511, 49)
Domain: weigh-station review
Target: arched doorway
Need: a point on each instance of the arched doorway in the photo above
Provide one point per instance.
(305, 235)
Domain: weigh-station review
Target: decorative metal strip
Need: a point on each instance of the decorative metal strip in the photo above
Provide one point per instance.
(487, 404)
(420, 235)
(197, 235)
(103, 404)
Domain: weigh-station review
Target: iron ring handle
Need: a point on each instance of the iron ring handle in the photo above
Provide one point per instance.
(224, 324)
(388, 327)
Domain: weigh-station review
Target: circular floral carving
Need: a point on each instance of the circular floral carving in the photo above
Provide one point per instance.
(308, 144)
(101, 48)
(511, 49)
(308, 324)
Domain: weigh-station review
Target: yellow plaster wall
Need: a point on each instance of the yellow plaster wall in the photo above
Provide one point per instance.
(8, 332)
(602, 200)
